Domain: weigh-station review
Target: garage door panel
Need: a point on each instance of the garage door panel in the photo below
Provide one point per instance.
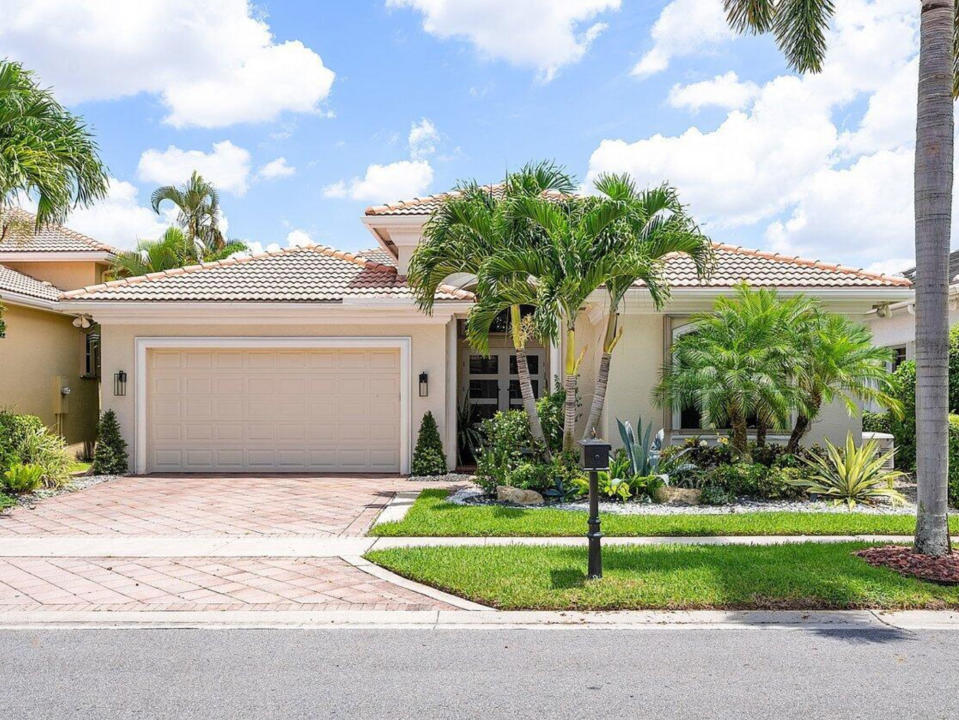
(273, 410)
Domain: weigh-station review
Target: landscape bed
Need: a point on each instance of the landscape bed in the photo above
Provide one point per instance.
(432, 515)
(673, 577)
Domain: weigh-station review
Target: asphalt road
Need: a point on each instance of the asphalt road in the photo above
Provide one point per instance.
(544, 674)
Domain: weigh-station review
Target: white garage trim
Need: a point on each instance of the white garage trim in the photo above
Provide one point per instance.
(142, 344)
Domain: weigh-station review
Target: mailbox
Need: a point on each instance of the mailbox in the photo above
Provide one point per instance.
(595, 454)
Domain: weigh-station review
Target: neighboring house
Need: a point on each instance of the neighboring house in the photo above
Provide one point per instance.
(48, 365)
(311, 359)
(893, 325)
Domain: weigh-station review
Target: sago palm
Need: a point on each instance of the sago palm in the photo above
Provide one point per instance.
(837, 360)
(654, 226)
(800, 30)
(198, 205)
(46, 152)
(473, 225)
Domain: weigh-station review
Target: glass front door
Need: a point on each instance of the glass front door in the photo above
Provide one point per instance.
(494, 381)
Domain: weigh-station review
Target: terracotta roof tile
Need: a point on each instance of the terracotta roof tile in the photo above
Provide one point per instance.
(13, 281)
(422, 206)
(21, 236)
(303, 274)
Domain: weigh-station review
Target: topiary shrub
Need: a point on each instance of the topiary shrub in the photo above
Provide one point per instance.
(110, 455)
(428, 457)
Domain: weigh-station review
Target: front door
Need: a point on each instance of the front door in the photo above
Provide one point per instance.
(494, 383)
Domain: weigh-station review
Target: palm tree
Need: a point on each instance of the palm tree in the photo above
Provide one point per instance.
(738, 364)
(172, 250)
(199, 208)
(46, 152)
(800, 29)
(473, 225)
(837, 359)
(572, 253)
(654, 227)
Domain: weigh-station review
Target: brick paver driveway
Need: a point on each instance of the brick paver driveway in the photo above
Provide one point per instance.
(212, 505)
(204, 506)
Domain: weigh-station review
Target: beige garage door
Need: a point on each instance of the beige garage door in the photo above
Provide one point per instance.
(310, 410)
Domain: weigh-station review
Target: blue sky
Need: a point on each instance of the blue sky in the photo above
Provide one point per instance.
(373, 101)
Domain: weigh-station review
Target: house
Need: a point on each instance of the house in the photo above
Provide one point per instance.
(893, 325)
(313, 359)
(48, 362)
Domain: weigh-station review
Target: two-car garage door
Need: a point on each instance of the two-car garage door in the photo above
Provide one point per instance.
(273, 410)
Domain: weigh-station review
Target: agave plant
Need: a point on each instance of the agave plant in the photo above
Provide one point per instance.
(643, 454)
(852, 475)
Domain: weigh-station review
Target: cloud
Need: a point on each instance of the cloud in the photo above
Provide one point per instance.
(385, 183)
(227, 166)
(298, 238)
(541, 34)
(684, 27)
(119, 220)
(796, 161)
(294, 238)
(422, 139)
(725, 91)
(211, 64)
(277, 168)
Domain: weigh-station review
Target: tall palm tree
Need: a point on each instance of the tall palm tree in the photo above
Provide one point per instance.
(837, 359)
(654, 226)
(46, 152)
(800, 30)
(473, 225)
(199, 207)
(739, 363)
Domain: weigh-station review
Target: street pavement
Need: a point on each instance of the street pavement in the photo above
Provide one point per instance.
(544, 673)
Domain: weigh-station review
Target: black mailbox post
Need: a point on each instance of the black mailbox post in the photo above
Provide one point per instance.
(595, 458)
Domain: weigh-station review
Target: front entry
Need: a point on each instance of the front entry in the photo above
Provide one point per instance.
(493, 383)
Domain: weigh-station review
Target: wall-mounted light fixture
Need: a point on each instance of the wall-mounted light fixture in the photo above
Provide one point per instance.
(120, 383)
(81, 321)
(424, 384)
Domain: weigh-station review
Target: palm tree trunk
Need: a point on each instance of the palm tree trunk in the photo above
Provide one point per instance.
(525, 382)
(570, 382)
(799, 430)
(761, 430)
(933, 207)
(602, 376)
(740, 440)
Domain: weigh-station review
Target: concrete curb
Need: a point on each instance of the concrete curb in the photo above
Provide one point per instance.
(361, 563)
(836, 621)
(397, 508)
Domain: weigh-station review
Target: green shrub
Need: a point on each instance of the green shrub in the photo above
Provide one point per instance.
(505, 435)
(550, 411)
(25, 439)
(20, 478)
(6, 501)
(954, 460)
(875, 422)
(110, 455)
(903, 429)
(738, 478)
(779, 483)
(713, 494)
(428, 457)
(700, 453)
(531, 476)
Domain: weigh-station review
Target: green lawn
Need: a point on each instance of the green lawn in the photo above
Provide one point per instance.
(79, 466)
(431, 515)
(803, 576)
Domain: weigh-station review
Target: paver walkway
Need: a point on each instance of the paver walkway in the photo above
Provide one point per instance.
(165, 512)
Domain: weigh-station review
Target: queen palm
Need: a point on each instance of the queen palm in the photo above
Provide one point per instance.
(46, 152)
(198, 204)
(837, 360)
(800, 29)
(654, 226)
(738, 363)
(471, 226)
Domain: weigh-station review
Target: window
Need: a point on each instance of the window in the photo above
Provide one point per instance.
(898, 357)
(91, 353)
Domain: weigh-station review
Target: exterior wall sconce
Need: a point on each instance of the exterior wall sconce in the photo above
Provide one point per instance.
(424, 384)
(120, 383)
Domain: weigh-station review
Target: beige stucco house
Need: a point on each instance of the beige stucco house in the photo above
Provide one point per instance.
(48, 365)
(311, 359)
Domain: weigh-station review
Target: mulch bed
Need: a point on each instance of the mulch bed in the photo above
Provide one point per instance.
(943, 570)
